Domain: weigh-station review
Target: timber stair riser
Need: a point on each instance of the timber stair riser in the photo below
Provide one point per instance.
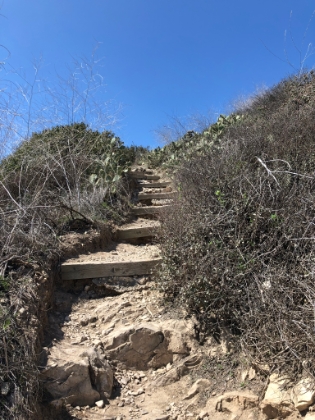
(97, 269)
(155, 184)
(134, 233)
(139, 211)
(155, 196)
(144, 176)
(100, 268)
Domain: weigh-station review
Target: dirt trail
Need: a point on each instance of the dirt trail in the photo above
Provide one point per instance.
(114, 351)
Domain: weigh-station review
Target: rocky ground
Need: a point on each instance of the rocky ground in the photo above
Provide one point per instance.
(130, 357)
(115, 350)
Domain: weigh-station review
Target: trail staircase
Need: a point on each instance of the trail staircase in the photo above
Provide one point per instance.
(153, 196)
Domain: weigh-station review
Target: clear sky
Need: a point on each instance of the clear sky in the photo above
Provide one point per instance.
(162, 58)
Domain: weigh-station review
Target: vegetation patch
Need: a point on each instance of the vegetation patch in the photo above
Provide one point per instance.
(191, 144)
(238, 246)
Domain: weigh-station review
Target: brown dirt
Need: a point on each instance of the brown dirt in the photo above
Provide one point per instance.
(88, 239)
(120, 252)
(140, 222)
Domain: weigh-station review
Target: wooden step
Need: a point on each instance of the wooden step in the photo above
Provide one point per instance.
(155, 196)
(155, 184)
(96, 269)
(136, 232)
(143, 175)
(138, 211)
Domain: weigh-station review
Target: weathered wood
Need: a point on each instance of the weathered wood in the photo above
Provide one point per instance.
(155, 184)
(143, 175)
(96, 269)
(138, 211)
(139, 232)
(155, 196)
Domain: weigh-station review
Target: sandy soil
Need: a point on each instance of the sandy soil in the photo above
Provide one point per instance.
(120, 252)
(140, 222)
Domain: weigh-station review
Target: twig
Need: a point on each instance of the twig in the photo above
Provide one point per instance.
(268, 170)
(6, 353)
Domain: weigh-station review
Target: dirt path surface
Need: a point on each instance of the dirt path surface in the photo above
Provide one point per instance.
(140, 222)
(115, 351)
(143, 387)
(120, 252)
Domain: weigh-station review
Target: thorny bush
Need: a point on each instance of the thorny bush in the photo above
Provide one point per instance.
(19, 349)
(238, 245)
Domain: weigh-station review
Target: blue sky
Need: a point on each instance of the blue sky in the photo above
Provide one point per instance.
(161, 58)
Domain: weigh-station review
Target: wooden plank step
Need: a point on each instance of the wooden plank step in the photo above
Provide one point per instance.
(136, 232)
(138, 211)
(143, 175)
(155, 196)
(155, 184)
(96, 269)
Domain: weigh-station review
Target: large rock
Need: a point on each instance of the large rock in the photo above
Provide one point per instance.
(236, 400)
(283, 400)
(235, 404)
(118, 337)
(78, 377)
(101, 373)
(303, 394)
(199, 386)
(144, 346)
(277, 401)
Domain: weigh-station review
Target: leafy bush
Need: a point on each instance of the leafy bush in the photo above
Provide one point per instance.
(71, 152)
(63, 164)
(238, 246)
(190, 144)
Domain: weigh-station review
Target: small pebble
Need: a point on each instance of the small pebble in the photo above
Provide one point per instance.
(124, 381)
(100, 403)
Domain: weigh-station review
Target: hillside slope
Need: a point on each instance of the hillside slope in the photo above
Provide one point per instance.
(230, 309)
(238, 250)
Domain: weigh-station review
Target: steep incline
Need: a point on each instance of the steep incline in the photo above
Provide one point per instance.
(127, 260)
(115, 352)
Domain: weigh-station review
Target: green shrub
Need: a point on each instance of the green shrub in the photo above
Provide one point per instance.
(63, 166)
(190, 144)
